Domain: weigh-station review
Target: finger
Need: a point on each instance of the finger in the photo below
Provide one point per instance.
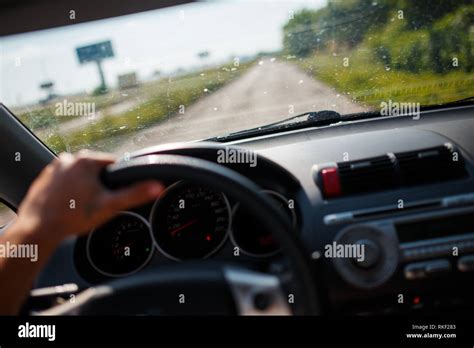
(93, 162)
(99, 158)
(133, 196)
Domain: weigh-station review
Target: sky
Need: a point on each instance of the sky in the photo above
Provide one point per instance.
(165, 40)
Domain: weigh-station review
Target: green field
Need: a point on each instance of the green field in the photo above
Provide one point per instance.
(367, 81)
(406, 51)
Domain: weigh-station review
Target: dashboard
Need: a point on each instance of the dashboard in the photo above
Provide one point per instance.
(403, 188)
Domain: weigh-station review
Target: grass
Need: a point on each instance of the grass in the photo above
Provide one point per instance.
(367, 81)
(41, 117)
(161, 100)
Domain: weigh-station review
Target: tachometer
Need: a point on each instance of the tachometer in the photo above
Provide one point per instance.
(251, 236)
(190, 222)
(121, 246)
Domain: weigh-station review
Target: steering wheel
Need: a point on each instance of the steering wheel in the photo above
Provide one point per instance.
(209, 287)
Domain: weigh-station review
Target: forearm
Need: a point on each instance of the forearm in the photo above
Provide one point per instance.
(18, 272)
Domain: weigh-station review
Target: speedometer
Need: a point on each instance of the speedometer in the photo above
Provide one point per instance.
(190, 222)
(121, 246)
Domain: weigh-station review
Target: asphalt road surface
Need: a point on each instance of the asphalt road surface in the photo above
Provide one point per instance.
(270, 91)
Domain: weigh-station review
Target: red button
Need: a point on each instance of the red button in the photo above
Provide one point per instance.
(331, 182)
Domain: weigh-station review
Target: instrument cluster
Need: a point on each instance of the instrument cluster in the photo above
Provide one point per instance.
(187, 222)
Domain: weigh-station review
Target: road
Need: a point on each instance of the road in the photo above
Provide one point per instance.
(268, 92)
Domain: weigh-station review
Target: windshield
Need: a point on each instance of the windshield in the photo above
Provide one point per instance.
(206, 69)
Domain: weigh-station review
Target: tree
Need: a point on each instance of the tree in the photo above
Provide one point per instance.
(301, 33)
(424, 13)
(343, 23)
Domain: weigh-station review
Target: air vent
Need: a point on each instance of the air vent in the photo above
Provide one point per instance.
(371, 174)
(441, 163)
(430, 165)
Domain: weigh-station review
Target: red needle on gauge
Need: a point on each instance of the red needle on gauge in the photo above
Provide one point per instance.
(176, 230)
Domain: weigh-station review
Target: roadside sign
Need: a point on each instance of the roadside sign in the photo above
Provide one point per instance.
(95, 52)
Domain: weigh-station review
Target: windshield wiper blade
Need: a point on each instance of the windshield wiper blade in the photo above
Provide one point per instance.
(310, 119)
(318, 119)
